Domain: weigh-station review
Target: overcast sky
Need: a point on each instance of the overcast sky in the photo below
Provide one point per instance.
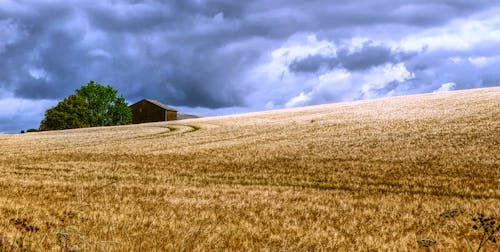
(214, 57)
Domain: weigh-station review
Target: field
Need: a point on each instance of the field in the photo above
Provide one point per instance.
(358, 176)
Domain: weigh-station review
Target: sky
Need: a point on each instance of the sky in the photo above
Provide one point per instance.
(216, 57)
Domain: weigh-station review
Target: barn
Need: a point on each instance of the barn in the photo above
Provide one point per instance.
(147, 110)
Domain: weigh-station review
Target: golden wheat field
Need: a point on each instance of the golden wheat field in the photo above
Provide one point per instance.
(358, 176)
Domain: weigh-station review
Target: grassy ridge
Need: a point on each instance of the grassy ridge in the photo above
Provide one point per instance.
(367, 175)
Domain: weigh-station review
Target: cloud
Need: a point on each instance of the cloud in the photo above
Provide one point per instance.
(16, 114)
(144, 49)
(343, 85)
(446, 87)
(225, 55)
(369, 55)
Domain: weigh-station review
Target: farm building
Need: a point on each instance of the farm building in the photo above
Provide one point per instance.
(147, 110)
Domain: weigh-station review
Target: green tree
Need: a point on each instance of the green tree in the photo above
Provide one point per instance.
(72, 112)
(106, 108)
(92, 105)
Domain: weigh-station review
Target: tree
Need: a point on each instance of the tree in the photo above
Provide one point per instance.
(72, 112)
(92, 105)
(106, 108)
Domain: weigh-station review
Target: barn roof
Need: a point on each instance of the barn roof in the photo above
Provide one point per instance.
(157, 103)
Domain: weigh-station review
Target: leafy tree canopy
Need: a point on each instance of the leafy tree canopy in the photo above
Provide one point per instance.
(72, 112)
(91, 105)
(106, 108)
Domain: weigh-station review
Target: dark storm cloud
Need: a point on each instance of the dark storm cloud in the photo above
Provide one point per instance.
(143, 48)
(201, 53)
(314, 63)
(64, 38)
(368, 56)
(282, 17)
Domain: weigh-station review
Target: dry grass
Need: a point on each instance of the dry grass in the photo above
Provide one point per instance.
(360, 176)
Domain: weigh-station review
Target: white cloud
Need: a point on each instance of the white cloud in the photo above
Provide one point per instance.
(483, 61)
(39, 73)
(277, 85)
(335, 82)
(342, 85)
(461, 34)
(296, 48)
(379, 77)
(299, 100)
(336, 85)
(446, 87)
(289, 89)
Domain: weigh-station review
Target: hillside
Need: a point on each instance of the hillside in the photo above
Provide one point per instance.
(181, 116)
(356, 176)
